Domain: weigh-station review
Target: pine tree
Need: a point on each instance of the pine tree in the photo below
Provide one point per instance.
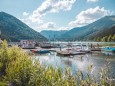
(109, 38)
(104, 39)
(98, 39)
(113, 38)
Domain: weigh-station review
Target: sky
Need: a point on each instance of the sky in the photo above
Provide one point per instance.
(58, 14)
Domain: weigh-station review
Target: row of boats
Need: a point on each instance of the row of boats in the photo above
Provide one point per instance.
(67, 51)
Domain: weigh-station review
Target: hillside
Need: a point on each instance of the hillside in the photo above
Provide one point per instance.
(50, 34)
(91, 31)
(14, 30)
(104, 35)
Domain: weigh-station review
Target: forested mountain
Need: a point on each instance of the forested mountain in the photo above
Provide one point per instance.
(99, 28)
(106, 35)
(14, 30)
(50, 34)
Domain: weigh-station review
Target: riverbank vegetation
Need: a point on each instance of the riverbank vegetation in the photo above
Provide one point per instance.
(108, 38)
(17, 68)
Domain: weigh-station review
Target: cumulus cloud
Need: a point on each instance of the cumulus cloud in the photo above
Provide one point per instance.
(88, 16)
(48, 26)
(36, 21)
(51, 6)
(92, 0)
(25, 14)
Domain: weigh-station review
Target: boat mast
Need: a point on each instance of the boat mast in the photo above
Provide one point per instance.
(49, 40)
(0, 34)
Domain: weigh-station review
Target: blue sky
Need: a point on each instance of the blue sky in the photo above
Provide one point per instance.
(58, 14)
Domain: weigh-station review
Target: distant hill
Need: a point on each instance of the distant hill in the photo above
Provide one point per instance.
(14, 30)
(50, 34)
(92, 31)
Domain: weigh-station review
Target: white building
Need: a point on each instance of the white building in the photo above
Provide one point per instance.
(27, 44)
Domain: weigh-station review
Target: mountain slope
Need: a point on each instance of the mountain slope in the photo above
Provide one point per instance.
(85, 32)
(102, 33)
(14, 30)
(50, 34)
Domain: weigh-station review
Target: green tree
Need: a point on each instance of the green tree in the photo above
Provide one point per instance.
(104, 39)
(113, 38)
(109, 38)
(98, 39)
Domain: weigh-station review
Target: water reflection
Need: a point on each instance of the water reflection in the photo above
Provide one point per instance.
(80, 62)
(67, 62)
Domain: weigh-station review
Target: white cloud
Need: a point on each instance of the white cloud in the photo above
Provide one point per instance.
(48, 26)
(25, 14)
(92, 0)
(36, 21)
(51, 6)
(88, 16)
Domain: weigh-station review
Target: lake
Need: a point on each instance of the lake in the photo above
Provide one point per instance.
(98, 59)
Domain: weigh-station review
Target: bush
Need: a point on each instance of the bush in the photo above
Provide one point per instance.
(17, 68)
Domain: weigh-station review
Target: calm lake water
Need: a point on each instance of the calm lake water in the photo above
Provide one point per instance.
(80, 62)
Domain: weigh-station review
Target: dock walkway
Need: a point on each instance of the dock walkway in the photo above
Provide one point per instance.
(66, 53)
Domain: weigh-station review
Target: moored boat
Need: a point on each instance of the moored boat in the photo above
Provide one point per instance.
(47, 46)
(40, 51)
(112, 49)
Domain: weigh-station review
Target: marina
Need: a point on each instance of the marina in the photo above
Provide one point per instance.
(57, 43)
(67, 50)
(99, 59)
(77, 57)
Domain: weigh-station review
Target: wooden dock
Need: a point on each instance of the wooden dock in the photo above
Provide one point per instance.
(63, 53)
(70, 52)
(95, 49)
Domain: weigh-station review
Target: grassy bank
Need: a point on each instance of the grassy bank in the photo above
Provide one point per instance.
(17, 68)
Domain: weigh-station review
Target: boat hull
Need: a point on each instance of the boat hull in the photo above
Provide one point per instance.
(41, 51)
(110, 49)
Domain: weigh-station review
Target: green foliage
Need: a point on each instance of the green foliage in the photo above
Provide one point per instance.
(113, 38)
(17, 68)
(104, 39)
(98, 39)
(108, 38)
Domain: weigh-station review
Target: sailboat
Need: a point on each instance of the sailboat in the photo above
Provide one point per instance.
(50, 45)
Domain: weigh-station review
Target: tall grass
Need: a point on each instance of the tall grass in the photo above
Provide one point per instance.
(17, 68)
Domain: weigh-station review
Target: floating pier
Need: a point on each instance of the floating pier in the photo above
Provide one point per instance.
(70, 53)
(95, 49)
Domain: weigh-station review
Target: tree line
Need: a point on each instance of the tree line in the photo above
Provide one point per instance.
(108, 38)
